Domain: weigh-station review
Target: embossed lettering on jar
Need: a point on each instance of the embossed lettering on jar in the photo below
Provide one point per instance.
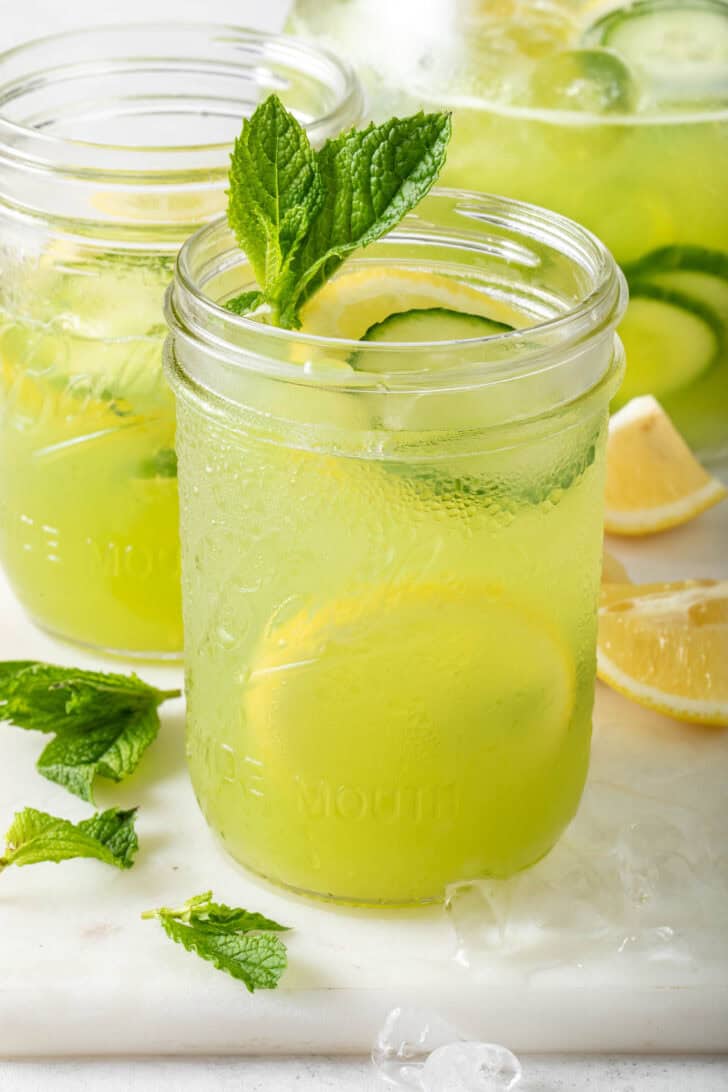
(114, 146)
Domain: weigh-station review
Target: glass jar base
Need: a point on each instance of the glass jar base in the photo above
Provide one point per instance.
(138, 655)
(385, 903)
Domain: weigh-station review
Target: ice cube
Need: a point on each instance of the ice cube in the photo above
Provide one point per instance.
(407, 1037)
(471, 1067)
(593, 81)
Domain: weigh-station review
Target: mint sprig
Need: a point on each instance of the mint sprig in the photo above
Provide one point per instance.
(298, 213)
(241, 943)
(103, 722)
(35, 836)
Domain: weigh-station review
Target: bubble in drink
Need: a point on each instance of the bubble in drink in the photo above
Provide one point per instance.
(595, 81)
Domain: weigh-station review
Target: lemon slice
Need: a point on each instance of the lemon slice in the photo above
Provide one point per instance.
(666, 647)
(653, 479)
(445, 667)
(358, 299)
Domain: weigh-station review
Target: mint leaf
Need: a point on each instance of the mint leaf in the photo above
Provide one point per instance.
(34, 836)
(111, 749)
(245, 302)
(233, 940)
(297, 213)
(49, 698)
(162, 464)
(275, 191)
(371, 179)
(103, 721)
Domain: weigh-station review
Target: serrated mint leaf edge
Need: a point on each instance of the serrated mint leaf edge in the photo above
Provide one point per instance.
(256, 959)
(121, 748)
(275, 191)
(242, 945)
(301, 264)
(323, 260)
(77, 688)
(53, 839)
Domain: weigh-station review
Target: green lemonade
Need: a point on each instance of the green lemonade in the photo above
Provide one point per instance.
(337, 734)
(390, 674)
(87, 426)
(108, 162)
(391, 479)
(615, 115)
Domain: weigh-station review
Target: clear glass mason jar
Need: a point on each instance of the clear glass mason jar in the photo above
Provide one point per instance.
(114, 146)
(613, 113)
(391, 556)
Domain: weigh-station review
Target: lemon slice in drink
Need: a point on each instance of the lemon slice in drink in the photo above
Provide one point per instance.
(666, 647)
(357, 299)
(653, 479)
(445, 667)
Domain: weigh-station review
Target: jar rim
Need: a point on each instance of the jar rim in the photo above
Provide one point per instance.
(240, 340)
(126, 163)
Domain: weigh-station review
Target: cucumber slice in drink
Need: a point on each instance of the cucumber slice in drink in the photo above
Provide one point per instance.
(671, 339)
(427, 324)
(697, 274)
(702, 288)
(700, 259)
(433, 324)
(680, 45)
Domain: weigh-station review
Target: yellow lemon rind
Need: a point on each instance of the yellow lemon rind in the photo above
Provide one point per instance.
(691, 710)
(647, 521)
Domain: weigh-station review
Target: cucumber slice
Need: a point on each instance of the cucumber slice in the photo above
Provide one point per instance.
(702, 288)
(670, 339)
(426, 324)
(433, 324)
(698, 275)
(681, 45)
(701, 259)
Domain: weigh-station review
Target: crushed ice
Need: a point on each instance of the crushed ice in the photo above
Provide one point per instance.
(419, 1050)
(640, 873)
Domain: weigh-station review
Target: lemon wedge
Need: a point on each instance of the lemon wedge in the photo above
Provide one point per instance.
(355, 300)
(666, 646)
(653, 480)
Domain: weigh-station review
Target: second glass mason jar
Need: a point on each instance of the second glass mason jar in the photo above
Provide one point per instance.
(612, 112)
(114, 146)
(391, 552)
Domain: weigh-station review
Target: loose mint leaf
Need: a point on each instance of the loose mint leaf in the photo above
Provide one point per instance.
(162, 464)
(48, 698)
(103, 721)
(111, 749)
(275, 191)
(297, 213)
(245, 303)
(34, 836)
(371, 179)
(233, 940)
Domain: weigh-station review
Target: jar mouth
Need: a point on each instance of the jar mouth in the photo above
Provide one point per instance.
(84, 117)
(511, 243)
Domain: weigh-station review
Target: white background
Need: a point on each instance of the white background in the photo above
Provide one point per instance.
(22, 19)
